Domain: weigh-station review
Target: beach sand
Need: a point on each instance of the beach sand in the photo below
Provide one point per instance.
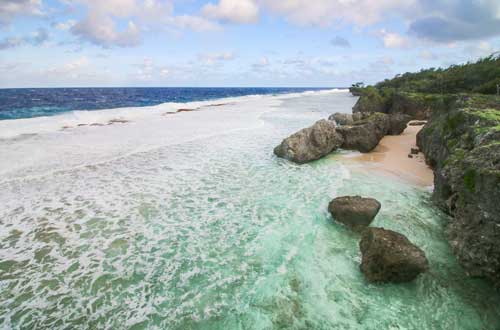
(391, 156)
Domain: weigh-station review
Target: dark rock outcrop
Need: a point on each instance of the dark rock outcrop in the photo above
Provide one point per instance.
(310, 143)
(462, 144)
(372, 100)
(414, 105)
(354, 211)
(364, 135)
(346, 119)
(388, 256)
(398, 123)
(342, 118)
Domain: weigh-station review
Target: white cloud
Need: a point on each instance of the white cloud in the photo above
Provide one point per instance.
(101, 30)
(480, 49)
(72, 69)
(215, 58)
(9, 9)
(36, 38)
(427, 55)
(261, 64)
(236, 11)
(195, 23)
(63, 26)
(148, 70)
(102, 24)
(327, 12)
(393, 40)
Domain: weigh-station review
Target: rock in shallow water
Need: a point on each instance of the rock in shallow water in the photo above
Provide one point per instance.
(354, 211)
(388, 256)
(310, 143)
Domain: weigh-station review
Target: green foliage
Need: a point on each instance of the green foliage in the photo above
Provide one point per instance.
(479, 77)
(358, 85)
(470, 179)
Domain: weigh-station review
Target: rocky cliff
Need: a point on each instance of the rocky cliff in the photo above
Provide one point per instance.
(416, 105)
(461, 142)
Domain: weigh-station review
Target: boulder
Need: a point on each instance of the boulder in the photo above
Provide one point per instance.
(398, 122)
(364, 135)
(388, 256)
(342, 118)
(310, 143)
(357, 116)
(354, 211)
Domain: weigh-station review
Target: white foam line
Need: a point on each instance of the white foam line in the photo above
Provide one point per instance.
(17, 127)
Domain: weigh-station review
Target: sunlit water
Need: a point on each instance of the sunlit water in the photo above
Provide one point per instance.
(211, 231)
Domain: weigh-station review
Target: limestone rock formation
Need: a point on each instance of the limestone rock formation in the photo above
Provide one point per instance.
(388, 256)
(462, 144)
(354, 211)
(364, 135)
(310, 143)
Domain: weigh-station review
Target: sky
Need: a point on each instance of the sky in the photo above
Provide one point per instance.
(297, 43)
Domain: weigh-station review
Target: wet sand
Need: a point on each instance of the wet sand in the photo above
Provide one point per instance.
(391, 156)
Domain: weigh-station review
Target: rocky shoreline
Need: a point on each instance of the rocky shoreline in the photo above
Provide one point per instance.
(460, 141)
(387, 256)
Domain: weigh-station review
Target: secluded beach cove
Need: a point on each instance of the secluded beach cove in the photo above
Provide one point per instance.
(135, 219)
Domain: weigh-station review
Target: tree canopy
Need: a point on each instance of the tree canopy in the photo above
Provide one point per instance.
(478, 77)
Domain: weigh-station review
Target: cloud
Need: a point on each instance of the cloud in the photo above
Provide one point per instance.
(10, 9)
(36, 38)
(215, 58)
(457, 20)
(121, 23)
(63, 26)
(427, 55)
(71, 69)
(148, 70)
(261, 64)
(393, 40)
(328, 12)
(341, 42)
(480, 49)
(235, 11)
(101, 30)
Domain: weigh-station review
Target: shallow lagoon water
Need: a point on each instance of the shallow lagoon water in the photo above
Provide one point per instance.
(214, 232)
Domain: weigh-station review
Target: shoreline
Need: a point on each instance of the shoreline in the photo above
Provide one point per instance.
(391, 157)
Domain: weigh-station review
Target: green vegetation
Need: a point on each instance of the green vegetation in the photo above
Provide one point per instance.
(470, 179)
(479, 77)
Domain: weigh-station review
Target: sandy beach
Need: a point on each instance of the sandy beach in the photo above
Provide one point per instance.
(391, 156)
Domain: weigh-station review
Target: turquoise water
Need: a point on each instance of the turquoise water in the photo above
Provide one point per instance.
(217, 233)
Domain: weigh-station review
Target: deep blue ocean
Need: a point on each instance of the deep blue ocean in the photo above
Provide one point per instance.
(36, 102)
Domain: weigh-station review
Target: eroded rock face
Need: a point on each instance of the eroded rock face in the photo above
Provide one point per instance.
(388, 256)
(310, 143)
(398, 123)
(342, 118)
(364, 135)
(462, 144)
(354, 211)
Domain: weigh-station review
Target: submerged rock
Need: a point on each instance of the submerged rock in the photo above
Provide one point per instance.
(388, 256)
(354, 211)
(310, 143)
(364, 135)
